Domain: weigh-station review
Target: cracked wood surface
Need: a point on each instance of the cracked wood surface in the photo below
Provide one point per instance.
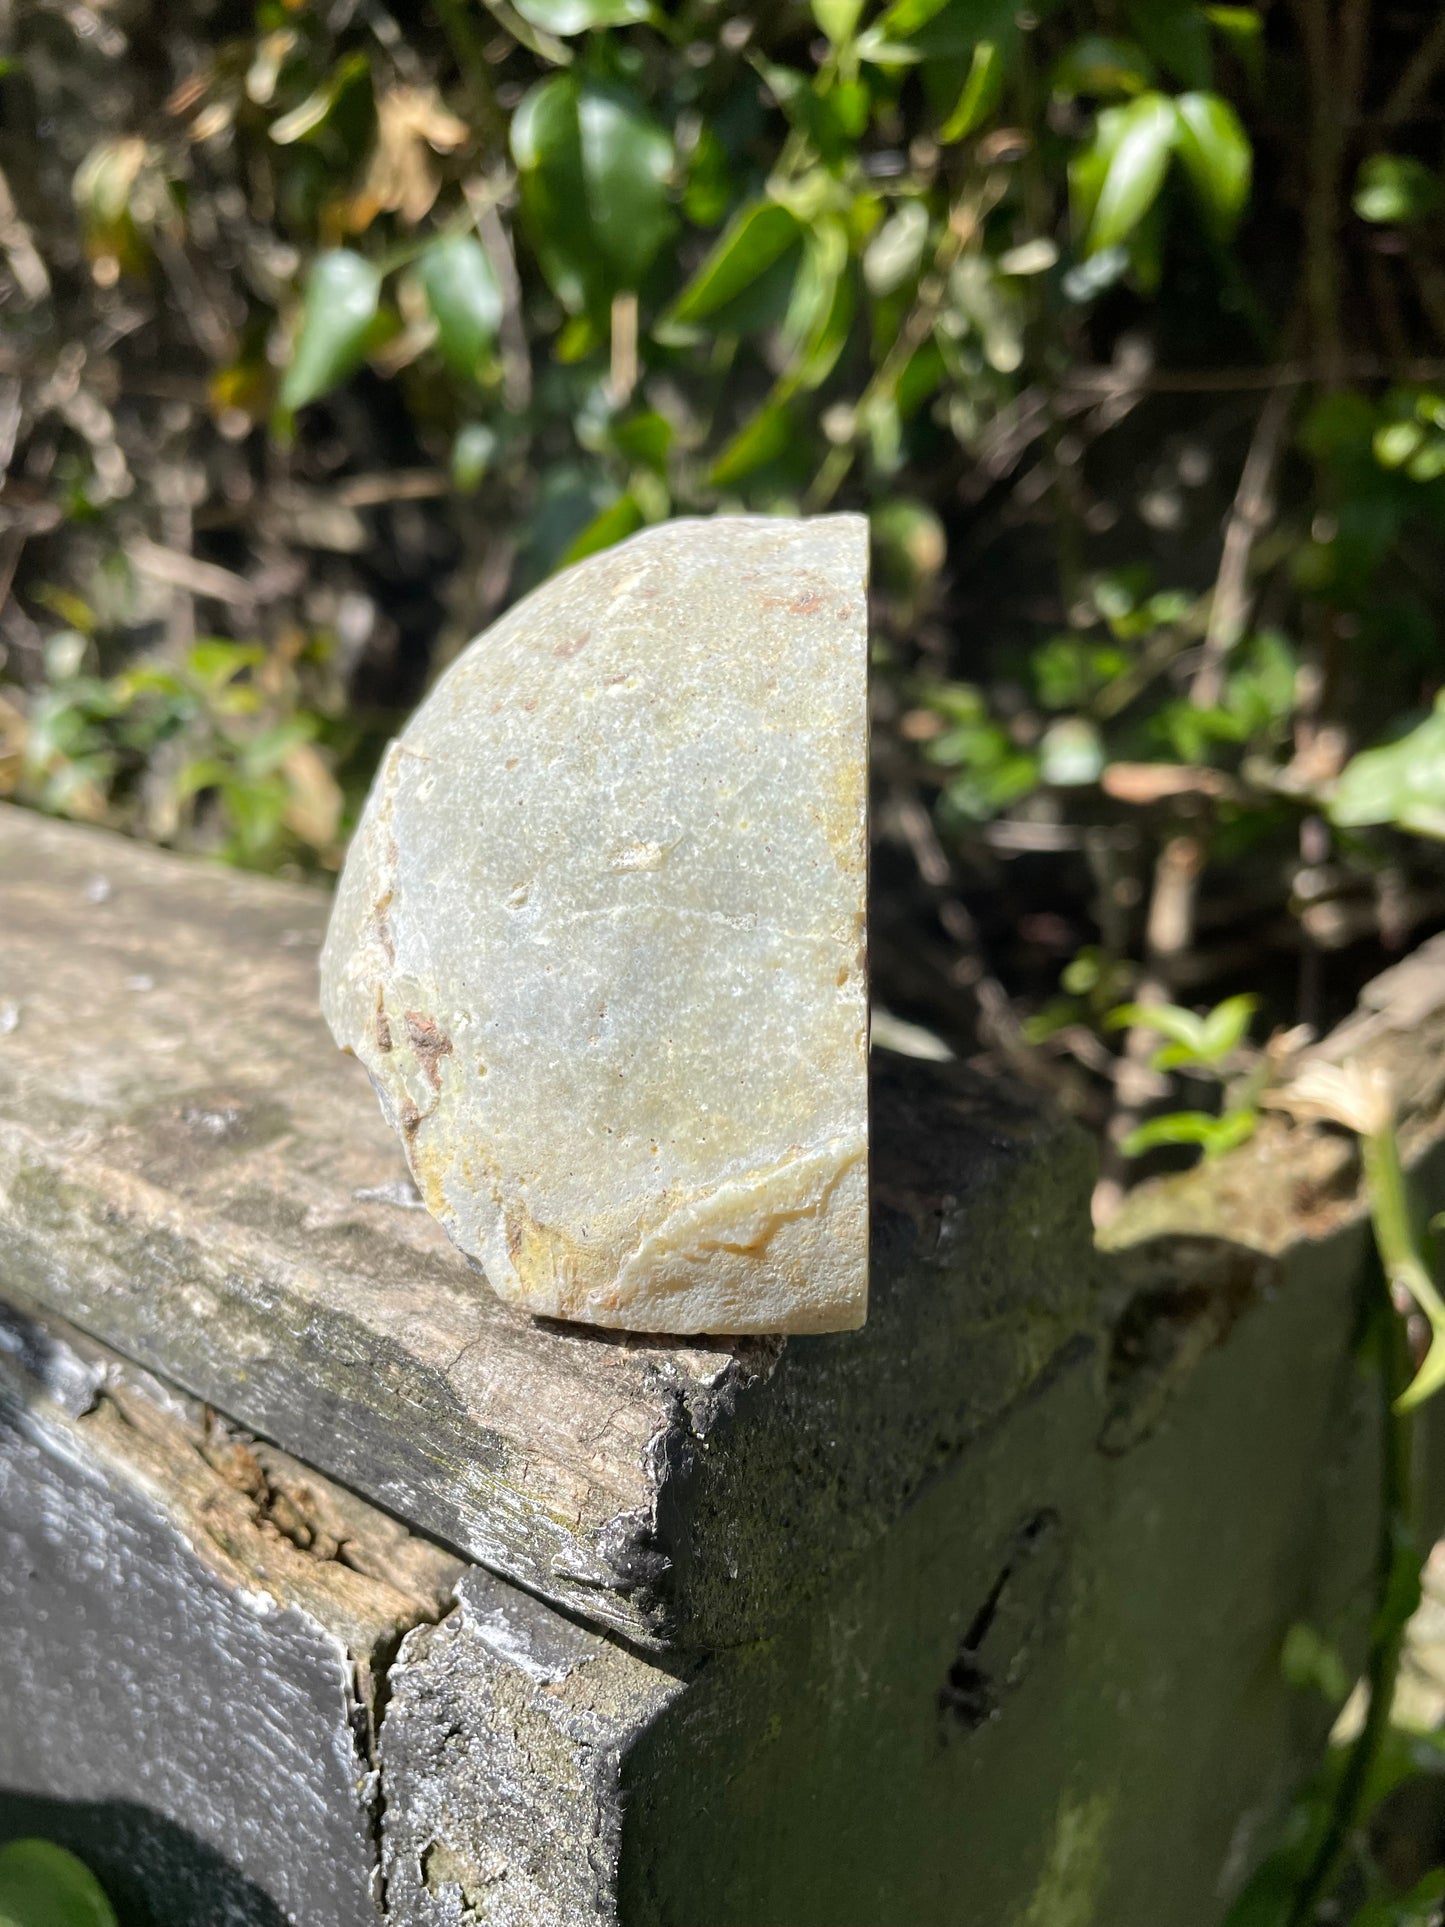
(191, 1172)
(197, 1634)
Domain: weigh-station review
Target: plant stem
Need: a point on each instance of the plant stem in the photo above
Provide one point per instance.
(1396, 1542)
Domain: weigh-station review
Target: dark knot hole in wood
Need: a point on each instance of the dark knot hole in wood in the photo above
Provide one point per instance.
(993, 1655)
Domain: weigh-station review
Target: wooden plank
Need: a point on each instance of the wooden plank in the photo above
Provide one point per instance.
(190, 1171)
(198, 1632)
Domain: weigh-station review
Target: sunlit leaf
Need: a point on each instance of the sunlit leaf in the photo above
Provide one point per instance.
(760, 440)
(316, 110)
(1396, 189)
(821, 309)
(579, 16)
(1180, 1026)
(41, 1885)
(1215, 1135)
(596, 172)
(1401, 783)
(465, 299)
(837, 18)
(1070, 752)
(1133, 144)
(895, 253)
(1216, 154)
(614, 524)
(981, 93)
(757, 237)
(645, 438)
(342, 293)
(1226, 1026)
(627, 163)
(472, 451)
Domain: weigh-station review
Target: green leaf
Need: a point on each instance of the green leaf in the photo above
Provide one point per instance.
(821, 309)
(838, 19)
(1070, 752)
(472, 454)
(41, 1885)
(317, 108)
(756, 238)
(595, 173)
(1099, 67)
(1176, 33)
(1312, 1663)
(627, 163)
(342, 293)
(1133, 144)
(1216, 154)
(465, 298)
(758, 442)
(646, 438)
(1180, 1026)
(1401, 783)
(1215, 1135)
(614, 524)
(981, 93)
(1226, 1026)
(580, 16)
(895, 253)
(1396, 189)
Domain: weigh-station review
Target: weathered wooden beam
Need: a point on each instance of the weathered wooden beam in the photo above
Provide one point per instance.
(197, 1632)
(190, 1171)
(973, 1614)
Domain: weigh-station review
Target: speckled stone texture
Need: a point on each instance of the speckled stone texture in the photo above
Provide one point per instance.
(600, 937)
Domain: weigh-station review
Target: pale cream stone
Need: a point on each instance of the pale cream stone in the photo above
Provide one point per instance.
(599, 940)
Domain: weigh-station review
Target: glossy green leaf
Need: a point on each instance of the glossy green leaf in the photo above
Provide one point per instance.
(342, 293)
(41, 1885)
(1396, 189)
(465, 299)
(627, 163)
(596, 172)
(1133, 144)
(757, 237)
(981, 93)
(580, 16)
(1401, 783)
(1216, 154)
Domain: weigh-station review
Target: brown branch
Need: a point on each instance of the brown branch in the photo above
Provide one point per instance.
(1250, 513)
(1414, 83)
(1169, 932)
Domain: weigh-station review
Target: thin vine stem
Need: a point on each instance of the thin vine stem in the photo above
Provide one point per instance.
(1396, 1544)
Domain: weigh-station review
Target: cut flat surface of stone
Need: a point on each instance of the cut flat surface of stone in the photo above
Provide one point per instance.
(600, 937)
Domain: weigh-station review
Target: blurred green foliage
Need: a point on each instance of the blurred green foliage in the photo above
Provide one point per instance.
(330, 332)
(41, 1885)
